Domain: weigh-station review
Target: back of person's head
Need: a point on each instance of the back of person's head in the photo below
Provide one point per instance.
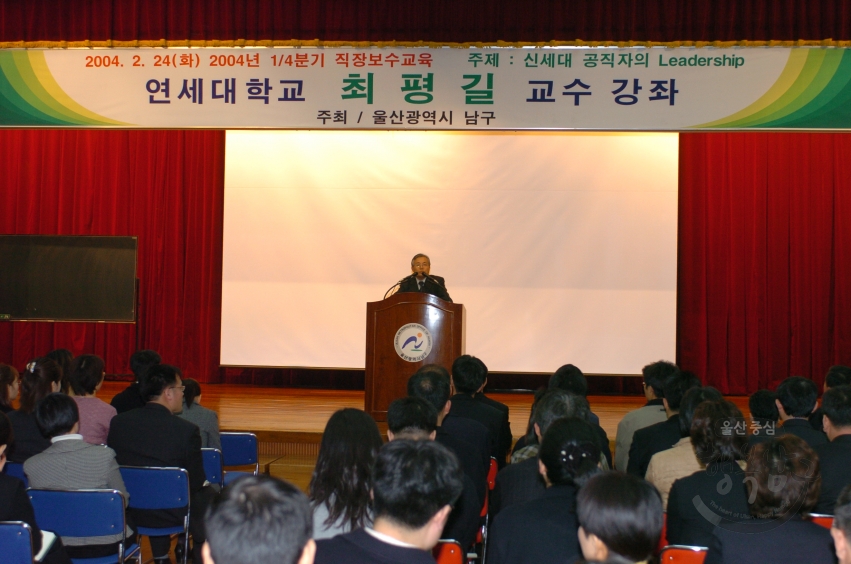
(570, 379)
(341, 476)
(836, 405)
(86, 374)
(763, 406)
(558, 404)
(8, 377)
(157, 378)
(431, 383)
(623, 512)
(413, 480)
(37, 381)
(783, 478)
(64, 358)
(692, 398)
(468, 374)
(841, 530)
(259, 520)
(56, 415)
(569, 451)
(710, 443)
(411, 418)
(676, 386)
(838, 375)
(140, 361)
(657, 373)
(191, 391)
(798, 396)
(6, 435)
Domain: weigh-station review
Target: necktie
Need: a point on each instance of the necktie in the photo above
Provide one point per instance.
(420, 283)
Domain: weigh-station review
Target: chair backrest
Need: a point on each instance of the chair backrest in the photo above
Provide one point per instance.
(156, 488)
(825, 521)
(213, 465)
(79, 513)
(682, 554)
(663, 538)
(16, 469)
(448, 552)
(17, 543)
(239, 449)
(492, 470)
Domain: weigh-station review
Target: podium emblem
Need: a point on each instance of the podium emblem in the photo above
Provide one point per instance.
(413, 342)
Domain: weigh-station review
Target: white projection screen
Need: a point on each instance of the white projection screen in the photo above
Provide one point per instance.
(562, 246)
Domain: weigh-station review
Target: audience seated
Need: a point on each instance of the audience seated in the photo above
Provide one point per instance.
(835, 456)
(661, 436)
(680, 460)
(720, 487)
(544, 529)
(131, 397)
(339, 488)
(620, 518)
(433, 387)
(655, 375)
(783, 482)
(797, 397)
(838, 375)
(206, 419)
(259, 520)
(71, 463)
(65, 359)
(764, 416)
(529, 438)
(95, 415)
(841, 529)
(10, 385)
(414, 485)
(154, 436)
(41, 377)
(415, 419)
(571, 379)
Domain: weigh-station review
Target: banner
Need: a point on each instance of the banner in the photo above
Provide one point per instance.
(570, 88)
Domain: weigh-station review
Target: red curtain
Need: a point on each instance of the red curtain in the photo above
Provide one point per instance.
(764, 265)
(166, 188)
(432, 20)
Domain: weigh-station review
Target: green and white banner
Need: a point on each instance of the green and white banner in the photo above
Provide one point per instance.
(658, 88)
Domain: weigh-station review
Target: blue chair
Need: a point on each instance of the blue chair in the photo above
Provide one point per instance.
(16, 469)
(213, 466)
(85, 513)
(17, 542)
(159, 488)
(239, 449)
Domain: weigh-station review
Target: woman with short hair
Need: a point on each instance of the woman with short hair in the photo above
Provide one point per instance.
(87, 372)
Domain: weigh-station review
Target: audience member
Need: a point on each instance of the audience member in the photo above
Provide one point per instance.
(837, 375)
(835, 456)
(620, 517)
(41, 377)
(680, 460)
(529, 438)
(131, 396)
(415, 419)
(71, 463)
(469, 375)
(95, 415)
(10, 385)
(653, 411)
(720, 486)
(841, 529)
(339, 488)
(433, 387)
(783, 482)
(414, 485)
(571, 379)
(661, 436)
(544, 529)
(64, 358)
(154, 436)
(259, 520)
(797, 397)
(764, 416)
(206, 419)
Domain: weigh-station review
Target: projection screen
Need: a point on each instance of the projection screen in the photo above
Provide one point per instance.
(562, 246)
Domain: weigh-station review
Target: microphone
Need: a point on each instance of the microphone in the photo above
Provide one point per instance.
(436, 281)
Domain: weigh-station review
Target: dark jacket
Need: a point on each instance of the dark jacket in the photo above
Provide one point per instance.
(472, 432)
(761, 541)
(470, 458)
(496, 421)
(28, 439)
(128, 399)
(650, 440)
(359, 547)
(464, 520)
(517, 483)
(429, 287)
(835, 463)
(803, 429)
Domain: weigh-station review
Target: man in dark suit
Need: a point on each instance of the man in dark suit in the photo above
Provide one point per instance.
(131, 396)
(154, 436)
(835, 456)
(423, 282)
(837, 375)
(414, 484)
(797, 397)
(469, 376)
(661, 436)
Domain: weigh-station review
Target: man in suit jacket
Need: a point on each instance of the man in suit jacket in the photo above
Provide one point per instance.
(414, 484)
(155, 436)
(797, 397)
(841, 530)
(423, 282)
(835, 456)
(837, 375)
(131, 396)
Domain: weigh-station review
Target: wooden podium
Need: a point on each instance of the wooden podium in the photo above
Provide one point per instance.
(423, 329)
